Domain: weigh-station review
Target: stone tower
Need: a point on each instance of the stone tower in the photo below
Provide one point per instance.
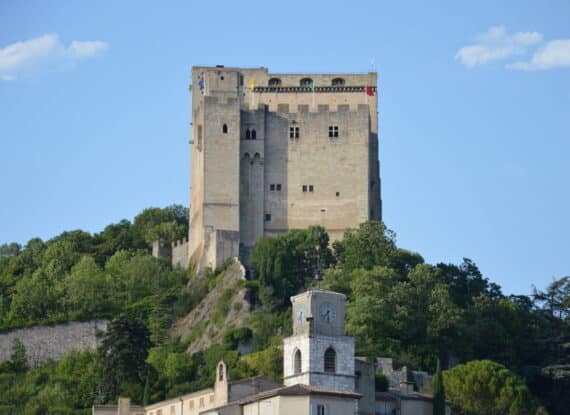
(275, 152)
(318, 353)
(215, 154)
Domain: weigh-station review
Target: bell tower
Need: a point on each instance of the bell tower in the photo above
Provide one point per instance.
(318, 353)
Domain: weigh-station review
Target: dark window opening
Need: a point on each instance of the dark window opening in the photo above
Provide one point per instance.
(311, 188)
(247, 134)
(274, 82)
(278, 187)
(337, 82)
(253, 134)
(330, 360)
(333, 130)
(221, 372)
(272, 187)
(293, 132)
(337, 194)
(304, 188)
(297, 362)
(320, 410)
(222, 77)
(306, 82)
(268, 217)
(225, 129)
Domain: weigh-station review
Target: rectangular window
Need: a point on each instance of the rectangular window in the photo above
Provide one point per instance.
(268, 217)
(311, 188)
(278, 187)
(337, 194)
(333, 131)
(321, 410)
(272, 187)
(304, 188)
(293, 132)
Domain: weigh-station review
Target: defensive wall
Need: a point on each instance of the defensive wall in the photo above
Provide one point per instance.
(53, 342)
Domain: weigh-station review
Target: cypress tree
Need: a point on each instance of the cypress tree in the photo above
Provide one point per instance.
(438, 392)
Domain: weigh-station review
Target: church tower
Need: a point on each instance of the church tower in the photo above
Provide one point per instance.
(318, 353)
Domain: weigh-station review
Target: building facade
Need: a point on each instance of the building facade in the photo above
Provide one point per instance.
(274, 152)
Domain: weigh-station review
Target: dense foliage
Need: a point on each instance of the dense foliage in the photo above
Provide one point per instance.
(77, 275)
(398, 306)
(483, 387)
(417, 313)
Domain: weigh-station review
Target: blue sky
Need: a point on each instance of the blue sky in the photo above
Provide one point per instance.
(474, 113)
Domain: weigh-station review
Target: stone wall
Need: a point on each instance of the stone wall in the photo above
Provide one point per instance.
(179, 254)
(53, 342)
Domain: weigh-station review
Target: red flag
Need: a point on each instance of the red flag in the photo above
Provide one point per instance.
(369, 91)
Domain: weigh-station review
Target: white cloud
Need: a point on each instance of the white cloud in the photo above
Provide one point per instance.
(555, 54)
(496, 44)
(86, 49)
(42, 53)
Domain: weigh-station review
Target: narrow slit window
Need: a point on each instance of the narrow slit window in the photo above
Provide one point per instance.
(268, 217)
(304, 188)
(272, 187)
(247, 134)
(311, 188)
(225, 129)
(278, 187)
(253, 134)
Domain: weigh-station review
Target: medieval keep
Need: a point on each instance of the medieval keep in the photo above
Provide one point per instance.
(274, 152)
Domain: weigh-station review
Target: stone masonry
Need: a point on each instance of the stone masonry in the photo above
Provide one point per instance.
(274, 152)
(53, 342)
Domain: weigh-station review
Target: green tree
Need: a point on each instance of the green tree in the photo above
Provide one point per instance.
(287, 263)
(123, 355)
(18, 357)
(87, 289)
(370, 245)
(483, 387)
(438, 391)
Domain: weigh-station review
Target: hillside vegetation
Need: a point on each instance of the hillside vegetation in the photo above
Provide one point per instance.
(397, 306)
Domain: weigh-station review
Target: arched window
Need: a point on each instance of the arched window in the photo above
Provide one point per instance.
(225, 129)
(330, 360)
(297, 362)
(221, 372)
(274, 82)
(306, 82)
(337, 82)
(247, 134)
(253, 134)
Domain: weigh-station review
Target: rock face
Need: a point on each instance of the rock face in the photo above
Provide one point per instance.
(53, 342)
(224, 307)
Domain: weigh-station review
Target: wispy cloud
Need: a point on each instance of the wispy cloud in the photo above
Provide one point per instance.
(46, 52)
(555, 54)
(496, 44)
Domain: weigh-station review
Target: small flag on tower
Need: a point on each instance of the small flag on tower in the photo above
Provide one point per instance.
(251, 83)
(312, 86)
(369, 91)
